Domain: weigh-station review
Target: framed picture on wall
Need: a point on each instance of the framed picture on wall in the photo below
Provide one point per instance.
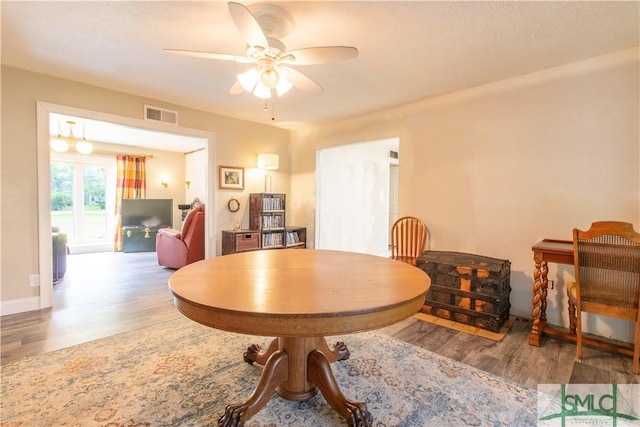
(230, 178)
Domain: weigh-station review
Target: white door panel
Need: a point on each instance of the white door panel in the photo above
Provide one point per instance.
(353, 198)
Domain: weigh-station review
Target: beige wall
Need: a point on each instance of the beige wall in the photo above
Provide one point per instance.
(237, 143)
(494, 169)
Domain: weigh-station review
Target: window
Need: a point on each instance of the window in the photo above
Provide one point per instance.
(82, 194)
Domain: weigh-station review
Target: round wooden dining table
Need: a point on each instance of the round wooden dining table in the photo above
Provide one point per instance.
(299, 296)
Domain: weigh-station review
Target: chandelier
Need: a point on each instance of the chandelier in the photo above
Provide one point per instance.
(62, 144)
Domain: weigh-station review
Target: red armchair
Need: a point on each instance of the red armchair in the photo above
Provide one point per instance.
(175, 248)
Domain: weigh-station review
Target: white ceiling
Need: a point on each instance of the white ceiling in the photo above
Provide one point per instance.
(408, 51)
(111, 133)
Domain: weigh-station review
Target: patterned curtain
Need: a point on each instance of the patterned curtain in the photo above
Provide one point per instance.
(131, 184)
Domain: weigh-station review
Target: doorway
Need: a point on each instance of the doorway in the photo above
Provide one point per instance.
(82, 201)
(44, 111)
(354, 197)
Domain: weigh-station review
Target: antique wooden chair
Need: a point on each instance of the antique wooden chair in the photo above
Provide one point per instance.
(607, 277)
(408, 238)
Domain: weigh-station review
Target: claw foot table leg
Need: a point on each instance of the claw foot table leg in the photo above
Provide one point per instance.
(275, 372)
(319, 372)
(255, 353)
(339, 351)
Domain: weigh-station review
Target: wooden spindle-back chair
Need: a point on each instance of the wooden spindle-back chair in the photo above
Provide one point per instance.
(408, 239)
(607, 277)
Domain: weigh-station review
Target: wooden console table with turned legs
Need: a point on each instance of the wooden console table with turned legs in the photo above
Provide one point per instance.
(299, 296)
(545, 251)
(560, 252)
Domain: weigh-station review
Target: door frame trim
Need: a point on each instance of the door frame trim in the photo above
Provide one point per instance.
(43, 109)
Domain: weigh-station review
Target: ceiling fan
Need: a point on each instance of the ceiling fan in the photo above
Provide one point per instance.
(271, 73)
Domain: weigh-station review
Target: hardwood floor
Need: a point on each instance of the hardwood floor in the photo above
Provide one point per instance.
(108, 293)
(101, 294)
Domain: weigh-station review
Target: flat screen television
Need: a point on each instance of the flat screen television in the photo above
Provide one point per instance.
(147, 212)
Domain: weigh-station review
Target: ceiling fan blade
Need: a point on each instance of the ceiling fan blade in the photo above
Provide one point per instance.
(322, 55)
(236, 88)
(209, 55)
(247, 25)
(301, 81)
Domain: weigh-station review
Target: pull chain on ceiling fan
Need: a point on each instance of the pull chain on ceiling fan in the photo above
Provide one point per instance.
(271, 74)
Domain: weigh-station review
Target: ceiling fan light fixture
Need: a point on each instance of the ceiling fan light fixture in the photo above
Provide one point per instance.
(262, 83)
(261, 91)
(270, 78)
(249, 79)
(262, 26)
(283, 86)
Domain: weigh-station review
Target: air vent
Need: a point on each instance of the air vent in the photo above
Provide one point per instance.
(393, 154)
(160, 115)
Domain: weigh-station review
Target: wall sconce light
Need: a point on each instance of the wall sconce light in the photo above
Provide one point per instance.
(268, 161)
(164, 182)
(188, 183)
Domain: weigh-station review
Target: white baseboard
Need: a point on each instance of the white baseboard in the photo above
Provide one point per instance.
(19, 305)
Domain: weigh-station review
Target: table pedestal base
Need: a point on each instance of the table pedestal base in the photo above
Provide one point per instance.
(296, 369)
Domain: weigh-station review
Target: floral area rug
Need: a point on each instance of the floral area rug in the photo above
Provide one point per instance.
(180, 373)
